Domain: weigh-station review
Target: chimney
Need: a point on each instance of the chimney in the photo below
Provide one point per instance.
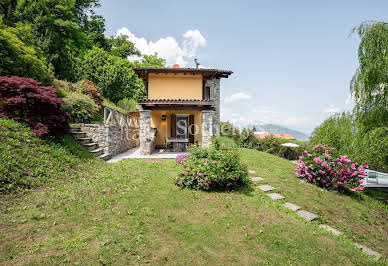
(196, 63)
(175, 66)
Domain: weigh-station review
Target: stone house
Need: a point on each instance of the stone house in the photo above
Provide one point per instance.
(182, 107)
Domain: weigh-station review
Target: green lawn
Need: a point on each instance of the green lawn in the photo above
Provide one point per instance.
(362, 220)
(131, 213)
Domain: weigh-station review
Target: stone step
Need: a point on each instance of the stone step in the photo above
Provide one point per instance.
(275, 196)
(91, 146)
(291, 206)
(98, 152)
(78, 135)
(105, 156)
(266, 188)
(368, 251)
(75, 129)
(308, 216)
(84, 141)
(330, 229)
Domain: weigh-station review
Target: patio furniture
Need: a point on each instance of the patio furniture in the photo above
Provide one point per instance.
(178, 144)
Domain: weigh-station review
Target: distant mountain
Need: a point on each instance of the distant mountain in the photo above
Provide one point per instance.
(276, 129)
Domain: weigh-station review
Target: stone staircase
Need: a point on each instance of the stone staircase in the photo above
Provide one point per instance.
(93, 147)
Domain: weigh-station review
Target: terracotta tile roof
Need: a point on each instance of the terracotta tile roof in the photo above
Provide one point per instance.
(287, 136)
(178, 102)
(281, 135)
(262, 135)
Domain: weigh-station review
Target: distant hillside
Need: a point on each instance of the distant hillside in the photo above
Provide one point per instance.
(276, 129)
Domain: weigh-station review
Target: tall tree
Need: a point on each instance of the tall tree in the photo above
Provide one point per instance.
(369, 85)
(150, 61)
(121, 47)
(18, 55)
(114, 75)
(63, 29)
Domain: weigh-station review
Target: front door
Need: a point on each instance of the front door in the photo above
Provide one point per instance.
(182, 124)
(183, 127)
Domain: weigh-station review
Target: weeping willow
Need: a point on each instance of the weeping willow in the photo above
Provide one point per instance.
(369, 85)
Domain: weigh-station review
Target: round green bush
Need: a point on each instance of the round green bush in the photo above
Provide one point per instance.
(211, 169)
(81, 108)
(128, 105)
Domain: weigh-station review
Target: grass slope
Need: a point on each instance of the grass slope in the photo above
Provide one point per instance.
(131, 213)
(363, 220)
(27, 161)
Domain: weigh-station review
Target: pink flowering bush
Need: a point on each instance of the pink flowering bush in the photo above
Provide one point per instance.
(320, 168)
(212, 169)
(181, 158)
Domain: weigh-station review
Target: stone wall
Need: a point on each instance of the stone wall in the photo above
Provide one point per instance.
(214, 85)
(113, 139)
(207, 127)
(147, 134)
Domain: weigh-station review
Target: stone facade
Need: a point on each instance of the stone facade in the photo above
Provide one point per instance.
(147, 134)
(214, 85)
(207, 127)
(113, 139)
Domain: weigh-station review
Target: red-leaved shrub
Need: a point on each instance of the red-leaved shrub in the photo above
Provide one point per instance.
(91, 90)
(23, 99)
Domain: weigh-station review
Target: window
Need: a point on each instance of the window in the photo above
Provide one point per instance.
(207, 93)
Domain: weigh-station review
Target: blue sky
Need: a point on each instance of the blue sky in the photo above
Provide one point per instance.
(292, 60)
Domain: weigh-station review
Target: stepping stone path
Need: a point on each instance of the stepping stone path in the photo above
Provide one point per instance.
(291, 206)
(275, 196)
(308, 216)
(368, 251)
(266, 188)
(330, 229)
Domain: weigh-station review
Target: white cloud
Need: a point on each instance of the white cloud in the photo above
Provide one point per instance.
(331, 109)
(193, 40)
(237, 97)
(167, 47)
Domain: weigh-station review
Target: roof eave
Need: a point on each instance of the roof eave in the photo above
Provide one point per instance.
(218, 73)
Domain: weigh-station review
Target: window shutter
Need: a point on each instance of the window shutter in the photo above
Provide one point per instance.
(191, 129)
(203, 89)
(173, 125)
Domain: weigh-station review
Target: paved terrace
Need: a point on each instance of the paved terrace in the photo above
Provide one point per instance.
(135, 154)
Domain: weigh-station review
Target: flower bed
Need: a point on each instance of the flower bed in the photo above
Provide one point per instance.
(320, 168)
(211, 169)
(181, 158)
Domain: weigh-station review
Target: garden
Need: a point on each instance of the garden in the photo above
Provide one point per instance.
(61, 205)
(211, 169)
(133, 212)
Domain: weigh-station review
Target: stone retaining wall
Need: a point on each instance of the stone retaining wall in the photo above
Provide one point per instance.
(113, 139)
